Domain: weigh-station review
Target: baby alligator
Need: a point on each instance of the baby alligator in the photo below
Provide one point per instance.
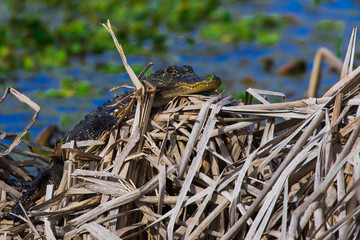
(171, 82)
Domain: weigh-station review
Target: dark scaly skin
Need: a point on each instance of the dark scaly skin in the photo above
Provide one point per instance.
(51, 175)
(98, 121)
(19, 185)
(171, 82)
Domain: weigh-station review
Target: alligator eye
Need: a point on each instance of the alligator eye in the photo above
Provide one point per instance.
(170, 70)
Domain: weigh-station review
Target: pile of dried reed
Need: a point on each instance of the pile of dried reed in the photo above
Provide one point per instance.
(211, 167)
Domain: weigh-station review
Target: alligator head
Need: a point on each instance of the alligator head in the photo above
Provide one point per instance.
(175, 81)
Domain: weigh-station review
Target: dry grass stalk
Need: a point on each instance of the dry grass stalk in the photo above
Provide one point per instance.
(22, 98)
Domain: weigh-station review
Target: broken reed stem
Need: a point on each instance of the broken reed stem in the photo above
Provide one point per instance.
(22, 98)
(324, 185)
(129, 70)
(194, 134)
(297, 147)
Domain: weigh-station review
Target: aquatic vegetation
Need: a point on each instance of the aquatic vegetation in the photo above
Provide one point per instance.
(327, 25)
(240, 95)
(112, 68)
(45, 33)
(67, 120)
(332, 33)
(71, 88)
(263, 29)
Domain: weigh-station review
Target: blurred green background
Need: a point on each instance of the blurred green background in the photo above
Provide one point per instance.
(58, 54)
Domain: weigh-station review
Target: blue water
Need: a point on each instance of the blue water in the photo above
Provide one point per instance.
(232, 62)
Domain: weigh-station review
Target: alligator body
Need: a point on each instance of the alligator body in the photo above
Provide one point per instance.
(171, 82)
(98, 121)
